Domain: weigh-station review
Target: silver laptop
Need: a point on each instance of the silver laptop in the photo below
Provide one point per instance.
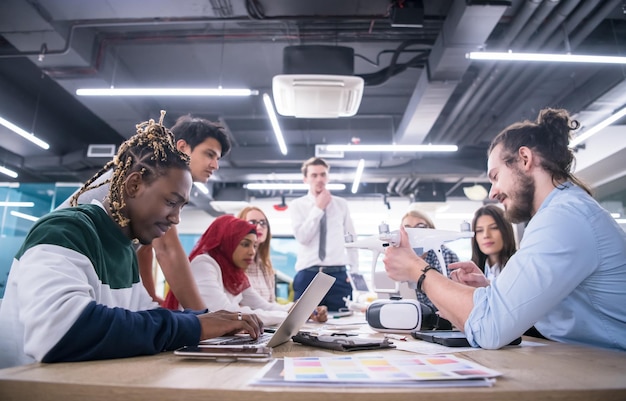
(296, 318)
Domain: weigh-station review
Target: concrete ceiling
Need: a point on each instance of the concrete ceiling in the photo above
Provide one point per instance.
(419, 87)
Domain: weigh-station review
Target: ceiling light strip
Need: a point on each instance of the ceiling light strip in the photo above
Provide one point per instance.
(24, 216)
(17, 204)
(24, 134)
(8, 172)
(539, 57)
(586, 134)
(357, 176)
(165, 92)
(269, 107)
(290, 186)
(392, 148)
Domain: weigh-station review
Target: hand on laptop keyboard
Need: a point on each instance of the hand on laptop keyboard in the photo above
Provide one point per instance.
(219, 323)
(239, 340)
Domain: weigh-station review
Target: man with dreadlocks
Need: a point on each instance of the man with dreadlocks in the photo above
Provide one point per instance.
(205, 143)
(74, 292)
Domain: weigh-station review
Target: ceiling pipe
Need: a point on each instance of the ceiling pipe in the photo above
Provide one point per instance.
(402, 186)
(455, 186)
(391, 184)
(499, 77)
(446, 66)
(519, 83)
(132, 22)
(513, 80)
(487, 71)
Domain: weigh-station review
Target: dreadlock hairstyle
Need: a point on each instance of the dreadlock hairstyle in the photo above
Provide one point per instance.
(549, 136)
(151, 152)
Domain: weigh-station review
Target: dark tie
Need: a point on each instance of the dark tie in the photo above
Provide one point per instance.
(322, 248)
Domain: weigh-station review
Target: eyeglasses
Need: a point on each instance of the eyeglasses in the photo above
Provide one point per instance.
(418, 225)
(262, 223)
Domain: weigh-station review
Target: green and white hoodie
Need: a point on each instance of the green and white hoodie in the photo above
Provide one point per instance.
(74, 294)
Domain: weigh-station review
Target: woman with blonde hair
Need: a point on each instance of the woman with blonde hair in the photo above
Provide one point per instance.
(219, 261)
(416, 219)
(261, 272)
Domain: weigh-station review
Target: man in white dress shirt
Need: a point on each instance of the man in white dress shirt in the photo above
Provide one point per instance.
(320, 222)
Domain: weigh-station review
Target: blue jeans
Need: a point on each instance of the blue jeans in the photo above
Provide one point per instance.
(334, 298)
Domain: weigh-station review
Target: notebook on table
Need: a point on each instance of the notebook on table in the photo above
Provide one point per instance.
(296, 318)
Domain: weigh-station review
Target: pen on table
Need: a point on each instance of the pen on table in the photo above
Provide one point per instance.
(395, 337)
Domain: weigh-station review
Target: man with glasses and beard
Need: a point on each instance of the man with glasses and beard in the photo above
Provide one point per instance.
(568, 278)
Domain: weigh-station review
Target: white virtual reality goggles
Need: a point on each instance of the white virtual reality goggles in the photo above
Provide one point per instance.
(403, 316)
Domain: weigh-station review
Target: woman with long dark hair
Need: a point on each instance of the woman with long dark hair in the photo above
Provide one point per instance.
(493, 243)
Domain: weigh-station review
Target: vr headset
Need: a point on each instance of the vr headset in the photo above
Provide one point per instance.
(403, 316)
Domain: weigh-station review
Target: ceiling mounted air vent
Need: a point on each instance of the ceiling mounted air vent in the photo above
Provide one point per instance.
(317, 96)
(318, 82)
(101, 151)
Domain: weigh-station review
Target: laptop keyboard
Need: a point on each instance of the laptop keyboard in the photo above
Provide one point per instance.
(263, 338)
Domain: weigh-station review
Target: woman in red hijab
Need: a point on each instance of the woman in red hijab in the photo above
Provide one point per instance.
(219, 261)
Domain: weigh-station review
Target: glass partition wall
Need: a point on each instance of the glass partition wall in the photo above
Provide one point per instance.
(21, 205)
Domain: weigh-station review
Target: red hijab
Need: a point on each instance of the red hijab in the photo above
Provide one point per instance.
(220, 241)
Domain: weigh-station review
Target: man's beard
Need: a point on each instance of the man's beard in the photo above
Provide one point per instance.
(520, 208)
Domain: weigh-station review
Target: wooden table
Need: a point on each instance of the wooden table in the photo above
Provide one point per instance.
(554, 371)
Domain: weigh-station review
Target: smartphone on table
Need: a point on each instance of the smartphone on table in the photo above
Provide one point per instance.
(224, 353)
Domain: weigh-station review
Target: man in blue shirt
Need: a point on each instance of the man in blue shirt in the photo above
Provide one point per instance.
(568, 279)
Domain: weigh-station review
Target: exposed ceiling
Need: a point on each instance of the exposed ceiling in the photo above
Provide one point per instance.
(419, 87)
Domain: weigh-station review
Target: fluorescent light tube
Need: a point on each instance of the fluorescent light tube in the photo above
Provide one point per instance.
(288, 186)
(586, 134)
(269, 107)
(24, 216)
(165, 92)
(17, 204)
(23, 134)
(8, 172)
(557, 58)
(393, 148)
(357, 175)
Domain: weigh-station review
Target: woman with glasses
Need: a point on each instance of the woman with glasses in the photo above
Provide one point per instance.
(219, 261)
(261, 272)
(417, 219)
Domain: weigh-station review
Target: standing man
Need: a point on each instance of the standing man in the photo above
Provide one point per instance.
(568, 278)
(205, 143)
(320, 222)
